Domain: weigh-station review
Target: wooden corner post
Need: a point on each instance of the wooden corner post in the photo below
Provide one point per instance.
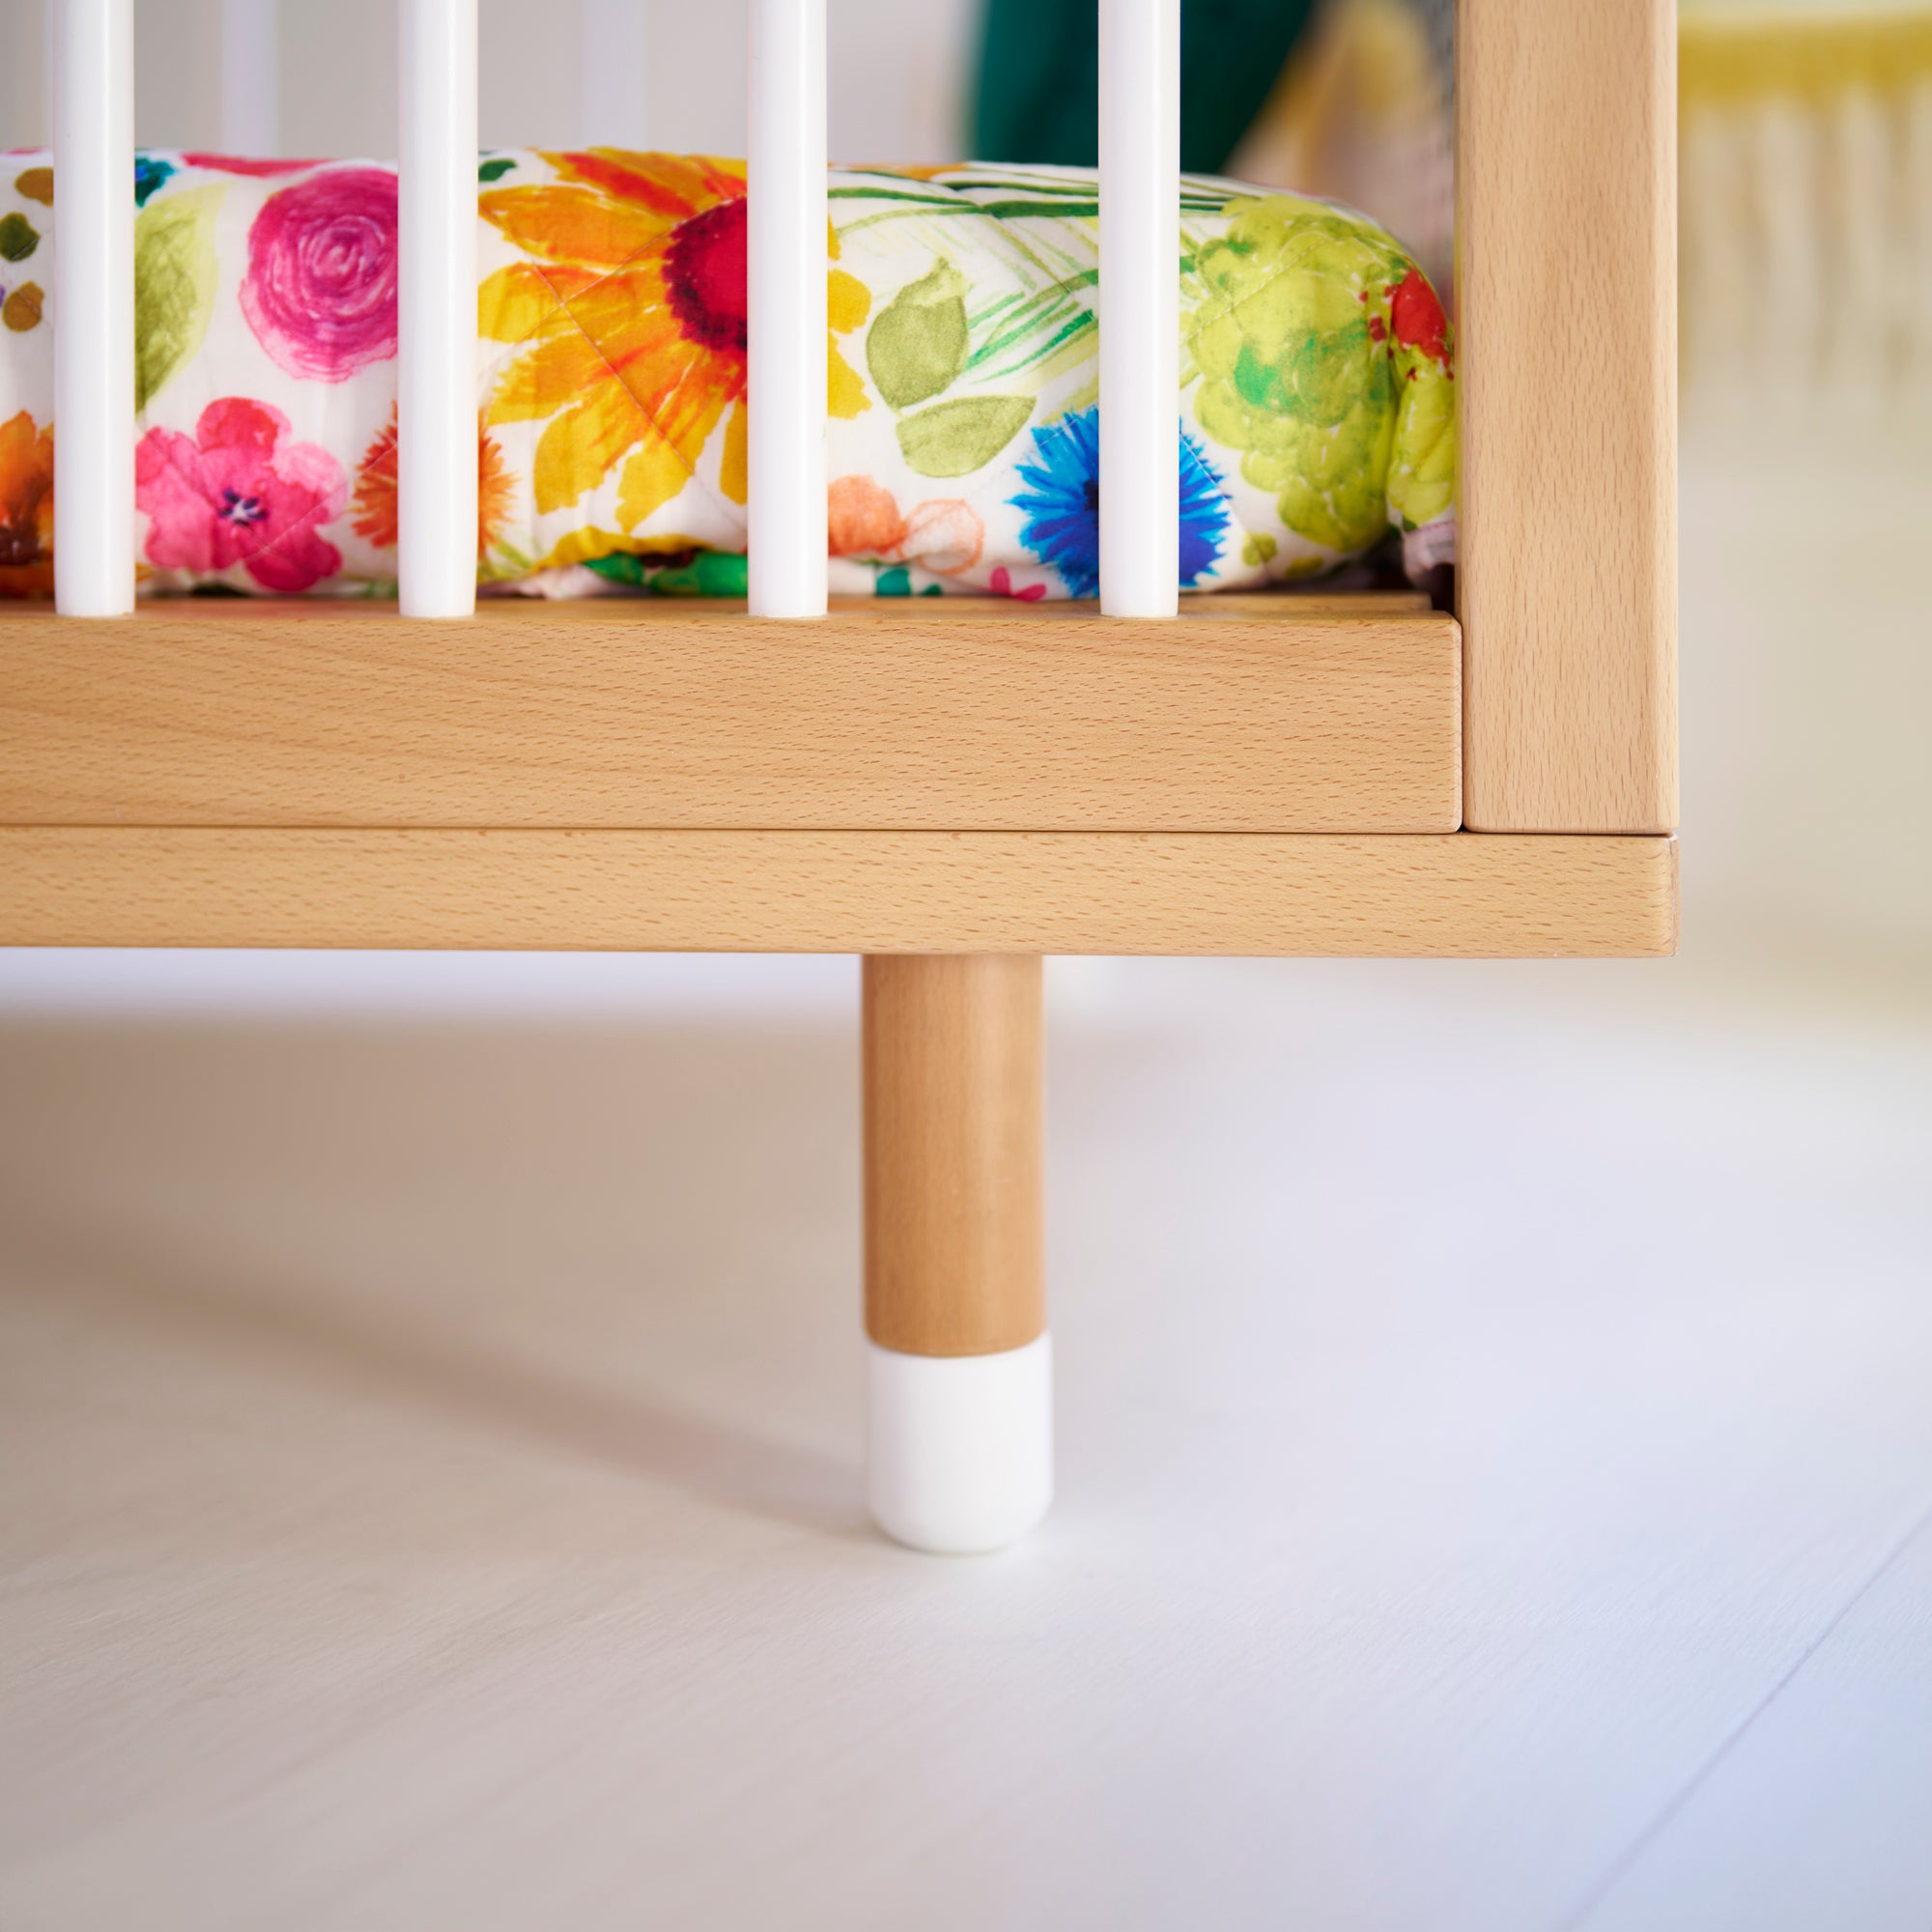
(1566, 192)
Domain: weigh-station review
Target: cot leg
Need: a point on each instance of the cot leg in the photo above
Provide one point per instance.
(960, 1362)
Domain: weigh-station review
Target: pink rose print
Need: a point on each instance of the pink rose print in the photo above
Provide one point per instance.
(236, 493)
(321, 288)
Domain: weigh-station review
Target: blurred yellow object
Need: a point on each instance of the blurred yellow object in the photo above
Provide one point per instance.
(1806, 214)
(1726, 55)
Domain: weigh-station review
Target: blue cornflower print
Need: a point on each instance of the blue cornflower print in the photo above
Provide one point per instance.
(1061, 499)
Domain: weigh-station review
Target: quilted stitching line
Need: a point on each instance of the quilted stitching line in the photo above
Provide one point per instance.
(597, 348)
(309, 520)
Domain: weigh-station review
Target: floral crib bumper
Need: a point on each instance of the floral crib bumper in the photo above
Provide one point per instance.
(1315, 410)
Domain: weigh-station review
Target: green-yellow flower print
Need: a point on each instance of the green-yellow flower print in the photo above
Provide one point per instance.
(1324, 358)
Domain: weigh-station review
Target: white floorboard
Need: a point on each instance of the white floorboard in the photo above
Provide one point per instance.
(1494, 1402)
(1815, 1814)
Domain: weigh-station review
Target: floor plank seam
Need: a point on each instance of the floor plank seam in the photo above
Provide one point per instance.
(1626, 1861)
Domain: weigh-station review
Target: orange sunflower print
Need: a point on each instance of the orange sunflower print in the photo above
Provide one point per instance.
(375, 492)
(631, 310)
(26, 508)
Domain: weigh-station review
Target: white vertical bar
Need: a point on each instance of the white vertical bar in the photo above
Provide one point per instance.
(1140, 307)
(787, 266)
(251, 68)
(437, 360)
(93, 308)
(610, 85)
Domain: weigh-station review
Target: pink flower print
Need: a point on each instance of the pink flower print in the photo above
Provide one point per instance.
(236, 165)
(321, 288)
(1001, 584)
(237, 492)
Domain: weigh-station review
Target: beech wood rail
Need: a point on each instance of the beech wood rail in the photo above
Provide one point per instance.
(1273, 773)
(1458, 895)
(1252, 714)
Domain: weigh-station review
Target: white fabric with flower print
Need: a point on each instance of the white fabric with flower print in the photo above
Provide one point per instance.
(1313, 413)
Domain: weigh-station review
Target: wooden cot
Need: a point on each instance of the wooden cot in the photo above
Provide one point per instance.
(955, 790)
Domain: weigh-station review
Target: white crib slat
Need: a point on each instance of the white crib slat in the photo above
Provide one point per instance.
(251, 91)
(1140, 306)
(437, 364)
(788, 320)
(94, 307)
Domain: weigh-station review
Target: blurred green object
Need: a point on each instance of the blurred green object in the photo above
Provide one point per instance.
(1037, 95)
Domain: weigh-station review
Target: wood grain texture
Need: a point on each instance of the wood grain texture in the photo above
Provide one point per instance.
(1246, 714)
(1566, 279)
(1458, 895)
(955, 1203)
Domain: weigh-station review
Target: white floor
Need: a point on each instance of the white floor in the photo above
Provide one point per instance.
(1496, 1465)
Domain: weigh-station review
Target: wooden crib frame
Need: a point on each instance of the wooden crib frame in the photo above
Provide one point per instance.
(953, 789)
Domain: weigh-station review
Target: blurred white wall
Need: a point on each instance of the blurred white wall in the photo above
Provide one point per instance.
(1807, 290)
(1807, 680)
(896, 75)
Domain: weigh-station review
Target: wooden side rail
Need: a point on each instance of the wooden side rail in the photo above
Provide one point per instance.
(1265, 714)
(1463, 895)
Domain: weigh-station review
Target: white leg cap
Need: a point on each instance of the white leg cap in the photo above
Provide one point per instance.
(961, 1456)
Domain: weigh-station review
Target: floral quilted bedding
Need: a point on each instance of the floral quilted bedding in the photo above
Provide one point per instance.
(1316, 405)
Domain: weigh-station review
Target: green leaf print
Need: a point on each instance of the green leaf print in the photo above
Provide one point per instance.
(18, 236)
(956, 438)
(175, 279)
(918, 345)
